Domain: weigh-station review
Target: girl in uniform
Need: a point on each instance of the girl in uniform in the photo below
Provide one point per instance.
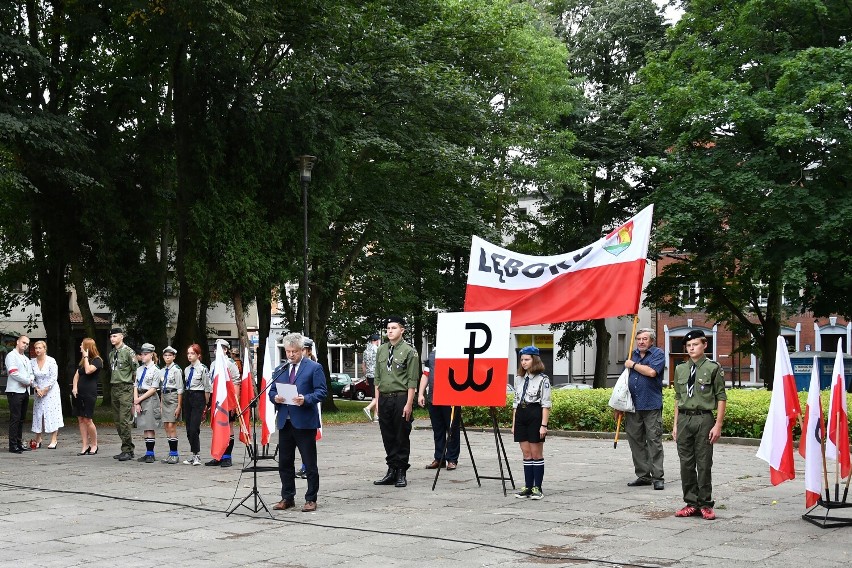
(196, 399)
(146, 402)
(531, 410)
(172, 396)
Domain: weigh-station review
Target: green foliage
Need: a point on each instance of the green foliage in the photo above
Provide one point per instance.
(589, 411)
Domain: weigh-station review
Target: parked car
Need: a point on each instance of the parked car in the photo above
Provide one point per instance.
(573, 386)
(359, 389)
(338, 382)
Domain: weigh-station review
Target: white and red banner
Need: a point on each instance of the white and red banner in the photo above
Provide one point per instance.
(246, 396)
(810, 445)
(265, 407)
(224, 401)
(471, 364)
(837, 443)
(601, 280)
(776, 445)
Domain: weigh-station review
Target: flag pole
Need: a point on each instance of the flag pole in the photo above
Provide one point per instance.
(837, 463)
(629, 353)
(824, 462)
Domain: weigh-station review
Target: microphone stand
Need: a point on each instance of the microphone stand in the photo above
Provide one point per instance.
(253, 453)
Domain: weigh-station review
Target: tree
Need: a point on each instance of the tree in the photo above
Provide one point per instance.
(749, 101)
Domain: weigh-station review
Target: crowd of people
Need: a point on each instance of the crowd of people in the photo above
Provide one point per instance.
(155, 397)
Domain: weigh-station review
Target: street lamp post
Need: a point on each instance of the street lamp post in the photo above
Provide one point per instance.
(306, 164)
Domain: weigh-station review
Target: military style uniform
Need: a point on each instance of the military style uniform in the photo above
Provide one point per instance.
(397, 371)
(695, 420)
(197, 391)
(123, 364)
(148, 377)
(171, 391)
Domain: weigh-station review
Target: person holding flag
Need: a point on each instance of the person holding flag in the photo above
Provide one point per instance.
(297, 421)
(699, 389)
(172, 397)
(232, 382)
(196, 400)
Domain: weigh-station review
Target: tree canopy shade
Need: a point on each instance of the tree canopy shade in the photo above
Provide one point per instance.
(751, 100)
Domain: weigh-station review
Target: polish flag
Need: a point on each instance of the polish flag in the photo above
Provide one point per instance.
(601, 280)
(224, 401)
(837, 444)
(266, 409)
(246, 396)
(810, 446)
(776, 446)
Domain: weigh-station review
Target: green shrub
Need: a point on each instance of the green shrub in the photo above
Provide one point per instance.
(588, 410)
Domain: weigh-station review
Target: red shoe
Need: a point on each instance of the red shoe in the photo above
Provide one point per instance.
(688, 511)
(707, 513)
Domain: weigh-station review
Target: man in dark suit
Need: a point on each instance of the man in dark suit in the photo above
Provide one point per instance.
(297, 421)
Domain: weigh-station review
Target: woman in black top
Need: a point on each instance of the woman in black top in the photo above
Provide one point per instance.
(84, 394)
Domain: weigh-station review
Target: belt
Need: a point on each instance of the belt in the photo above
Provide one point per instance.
(695, 412)
(392, 394)
(169, 391)
(526, 404)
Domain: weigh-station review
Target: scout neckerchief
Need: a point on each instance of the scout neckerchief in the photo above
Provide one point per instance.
(142, 378)
(526, 384)
(390, 357)
(189, 378)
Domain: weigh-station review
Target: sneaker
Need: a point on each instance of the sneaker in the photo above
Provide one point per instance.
(707, 513)
(302, 474)
(188, 460)
(523, 493)
(536, 493)
(214, 462)
(226, 463)
(150, 459)
(196, 460)
(172, 460)
(688, 511)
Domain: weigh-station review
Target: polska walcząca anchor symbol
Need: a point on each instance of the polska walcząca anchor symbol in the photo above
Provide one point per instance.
(470, 381)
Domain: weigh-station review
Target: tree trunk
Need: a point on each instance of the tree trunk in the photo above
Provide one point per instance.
(602, 338)
(240, 319)
(264, 316)
(79, 283)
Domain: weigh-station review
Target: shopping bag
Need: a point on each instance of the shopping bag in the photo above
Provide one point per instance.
(621, 399)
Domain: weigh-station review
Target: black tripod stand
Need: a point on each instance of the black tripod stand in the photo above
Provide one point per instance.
(253, 454)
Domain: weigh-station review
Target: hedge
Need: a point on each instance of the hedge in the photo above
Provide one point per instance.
(588, 410)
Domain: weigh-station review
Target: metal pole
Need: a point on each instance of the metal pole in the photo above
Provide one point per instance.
(305, 255)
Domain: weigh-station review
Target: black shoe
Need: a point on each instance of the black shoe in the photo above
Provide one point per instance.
(148, 458)
(400, 479)
(659, 485)
(225, 463)
(639, 482)
(124, 456)
(388, 479)
(118, 456)
(15, 450)
(213, 462)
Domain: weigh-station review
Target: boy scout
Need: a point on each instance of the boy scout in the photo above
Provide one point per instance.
(699, 388)
(122, 364)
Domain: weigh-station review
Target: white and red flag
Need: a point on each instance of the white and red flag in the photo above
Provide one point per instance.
(776, 445)
(837, 443)
(246, 396)
(601, 280)
(224, 402)
(810, 446)
(266, 409)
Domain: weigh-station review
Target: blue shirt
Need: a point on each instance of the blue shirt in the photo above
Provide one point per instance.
(647, 392)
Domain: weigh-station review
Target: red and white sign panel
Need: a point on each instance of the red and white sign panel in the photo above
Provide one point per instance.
(471, 359)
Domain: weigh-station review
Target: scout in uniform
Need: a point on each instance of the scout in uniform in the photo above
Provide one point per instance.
(172, 397)
(531, 411)
(122, 364)
(699, 389)
(195, 400)
(146, 402)
(397, 374)
(236, 379)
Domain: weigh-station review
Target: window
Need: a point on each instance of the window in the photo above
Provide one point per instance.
(621, 347)
(689, 294)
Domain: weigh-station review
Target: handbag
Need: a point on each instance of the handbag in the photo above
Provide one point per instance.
(620, 399)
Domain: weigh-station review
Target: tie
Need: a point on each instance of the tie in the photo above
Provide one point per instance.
(526, 384)
(142, 378)
(292, 373)
(690, 384)
(189, 379)
(165, 380)
(390, 357)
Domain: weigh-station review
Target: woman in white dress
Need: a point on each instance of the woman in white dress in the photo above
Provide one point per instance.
(47, 408)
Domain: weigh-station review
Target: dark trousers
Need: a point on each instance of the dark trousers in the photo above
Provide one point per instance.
(122, 407)
(440, 417)
(193, 412)
(696, 458)
(645, 434)
(396, 430)
(290, 438)
(18, 402)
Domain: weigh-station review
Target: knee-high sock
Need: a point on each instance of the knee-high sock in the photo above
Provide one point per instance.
(173, 446)
(227, 454)
(149, 446)
(529, 478)
(538, 469)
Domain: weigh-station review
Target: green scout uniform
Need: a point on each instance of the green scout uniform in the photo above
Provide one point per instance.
(397, 370)
(122, 364)
(695, 420)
